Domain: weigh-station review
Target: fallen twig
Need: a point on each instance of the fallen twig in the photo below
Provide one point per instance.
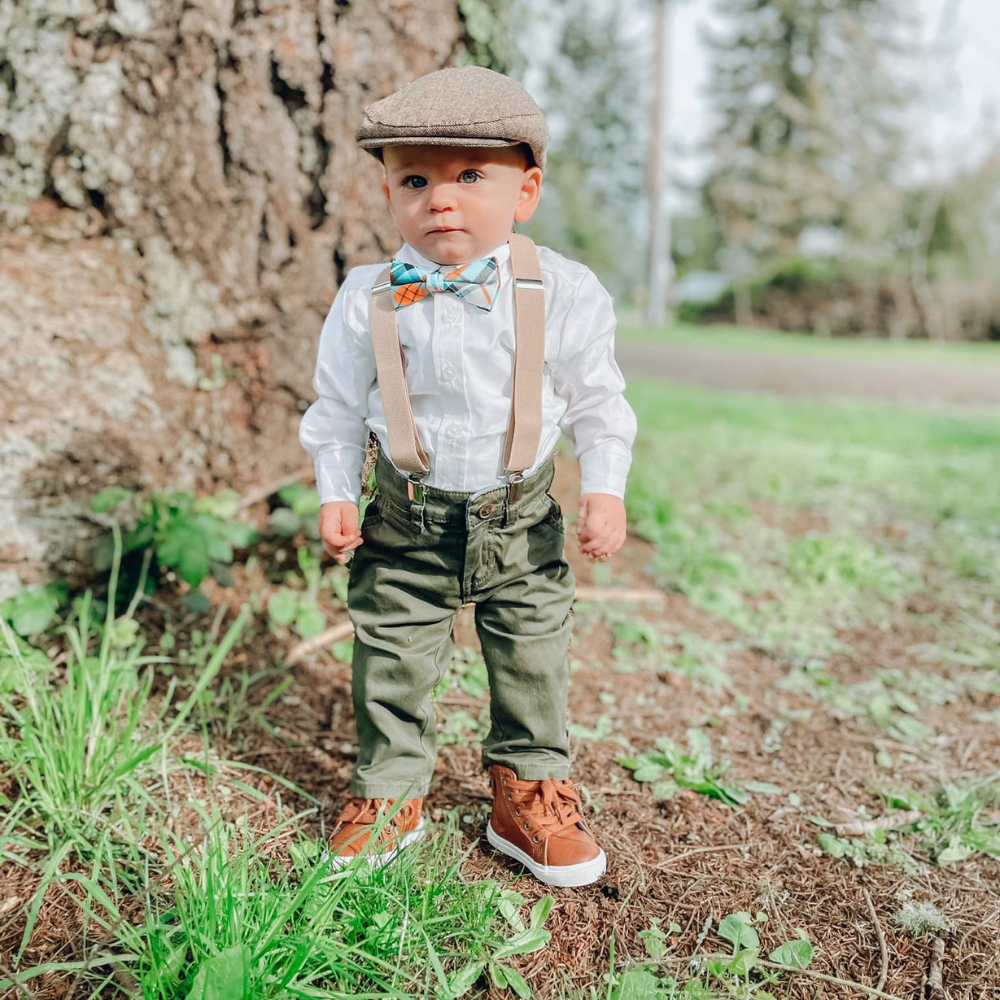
(883, 950)
(935, 975)
(891, 821)
(263, 492)
(870, 990)
(619, 594)
(700, 850)
(333, 634)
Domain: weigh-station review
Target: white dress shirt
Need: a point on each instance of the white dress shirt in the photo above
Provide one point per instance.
(459, 370)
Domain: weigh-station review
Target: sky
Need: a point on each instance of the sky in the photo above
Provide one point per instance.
(962, 74)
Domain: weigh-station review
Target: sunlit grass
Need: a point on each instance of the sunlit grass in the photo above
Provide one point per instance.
(735, 338)
(795, 518)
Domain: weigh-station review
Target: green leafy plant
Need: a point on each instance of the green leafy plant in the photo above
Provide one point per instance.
(290, 606)
(32, 609)
(738, 930)
(299, 513)
(21, 663)
(467, 670)
(670, 767)
(195, 537)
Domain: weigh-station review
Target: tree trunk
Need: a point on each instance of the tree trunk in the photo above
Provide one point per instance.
(178, 180)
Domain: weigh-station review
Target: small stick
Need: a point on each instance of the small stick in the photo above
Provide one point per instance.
(700, 850)
(462, 699)
(263, 492)
(883, 950)
(888, 822)
(619, 594)
(140, 589)
(870, 990)
(935, 976)
(216, 623)
(333, 634)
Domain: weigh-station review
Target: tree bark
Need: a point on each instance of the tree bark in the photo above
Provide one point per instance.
(178, 180)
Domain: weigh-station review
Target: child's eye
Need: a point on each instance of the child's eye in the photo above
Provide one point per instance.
(419, 181)
(474, 174)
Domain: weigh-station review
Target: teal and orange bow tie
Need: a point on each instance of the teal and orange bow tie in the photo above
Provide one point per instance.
(477, 282)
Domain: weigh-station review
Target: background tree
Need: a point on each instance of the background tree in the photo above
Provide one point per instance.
(591, 76)
(809, 107)
(180, 198)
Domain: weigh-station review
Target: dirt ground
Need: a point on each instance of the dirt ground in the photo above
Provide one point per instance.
(688, 859)
(691, 859)
(811, 375)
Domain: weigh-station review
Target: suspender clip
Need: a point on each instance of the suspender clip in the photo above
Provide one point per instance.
(414, 489)
(515, 487)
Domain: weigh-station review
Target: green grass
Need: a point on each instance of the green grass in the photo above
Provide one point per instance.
(151, 854)
(243, 917)
(793, 519)
(734, 338)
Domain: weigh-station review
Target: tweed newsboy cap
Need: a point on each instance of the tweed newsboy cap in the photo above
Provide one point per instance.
(457, 106)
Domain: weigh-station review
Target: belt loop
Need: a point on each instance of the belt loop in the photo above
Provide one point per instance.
(415, 491)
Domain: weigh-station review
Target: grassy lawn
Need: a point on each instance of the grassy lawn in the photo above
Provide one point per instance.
(734, 338)
(833, 511)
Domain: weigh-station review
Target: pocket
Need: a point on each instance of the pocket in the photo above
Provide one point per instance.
(555, 511)
(372, 514)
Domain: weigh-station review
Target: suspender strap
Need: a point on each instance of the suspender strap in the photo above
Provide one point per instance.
(390, 367)
(525, 428)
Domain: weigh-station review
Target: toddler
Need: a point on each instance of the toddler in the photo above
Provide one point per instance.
(467, 355)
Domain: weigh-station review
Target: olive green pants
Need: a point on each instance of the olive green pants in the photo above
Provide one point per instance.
(418, 564)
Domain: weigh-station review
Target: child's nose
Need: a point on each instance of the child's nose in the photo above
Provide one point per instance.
(441, 196)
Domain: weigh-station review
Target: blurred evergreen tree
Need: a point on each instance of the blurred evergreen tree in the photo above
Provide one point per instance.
(809, 96)
(588, 56)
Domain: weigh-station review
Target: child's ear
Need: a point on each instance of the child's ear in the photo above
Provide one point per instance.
(388, 200)
(527, 198)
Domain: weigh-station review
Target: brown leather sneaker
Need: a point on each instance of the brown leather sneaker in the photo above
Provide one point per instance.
(539, 824)
(356, 823)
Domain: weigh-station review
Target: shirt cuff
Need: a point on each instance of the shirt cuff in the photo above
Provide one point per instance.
(338, 473)
(604, 469)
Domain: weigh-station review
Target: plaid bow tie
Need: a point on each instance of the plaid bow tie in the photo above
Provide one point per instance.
(477, 282)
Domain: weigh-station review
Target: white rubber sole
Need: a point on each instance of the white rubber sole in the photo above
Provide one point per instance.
(561, 876)
(375, 860)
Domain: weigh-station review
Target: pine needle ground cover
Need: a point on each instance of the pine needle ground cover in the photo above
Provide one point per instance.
(788, 747)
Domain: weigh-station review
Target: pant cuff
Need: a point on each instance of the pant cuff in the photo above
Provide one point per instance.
(532, 771)
(389, 790)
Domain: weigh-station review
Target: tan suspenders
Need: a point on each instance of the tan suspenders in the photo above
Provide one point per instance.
(525, 426)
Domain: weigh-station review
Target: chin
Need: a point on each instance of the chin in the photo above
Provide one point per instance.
(454, 248)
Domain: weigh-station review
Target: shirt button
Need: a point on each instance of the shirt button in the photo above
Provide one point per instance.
(453, 432)
(448, 373)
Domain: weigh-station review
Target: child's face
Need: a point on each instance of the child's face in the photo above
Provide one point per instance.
(453, 204)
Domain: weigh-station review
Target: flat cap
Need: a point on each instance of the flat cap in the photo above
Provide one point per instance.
(457, 106)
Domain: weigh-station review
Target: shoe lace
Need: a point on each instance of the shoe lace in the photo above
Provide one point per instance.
(552, 806)
(366, 811)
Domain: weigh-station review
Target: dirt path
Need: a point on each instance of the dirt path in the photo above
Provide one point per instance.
(804, 375)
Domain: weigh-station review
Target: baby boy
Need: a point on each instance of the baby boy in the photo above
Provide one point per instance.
(467, 355)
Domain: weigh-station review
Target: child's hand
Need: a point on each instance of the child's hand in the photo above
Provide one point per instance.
(338, 527)
(600, 525)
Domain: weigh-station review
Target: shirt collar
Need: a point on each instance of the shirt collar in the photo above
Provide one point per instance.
(407, 254)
